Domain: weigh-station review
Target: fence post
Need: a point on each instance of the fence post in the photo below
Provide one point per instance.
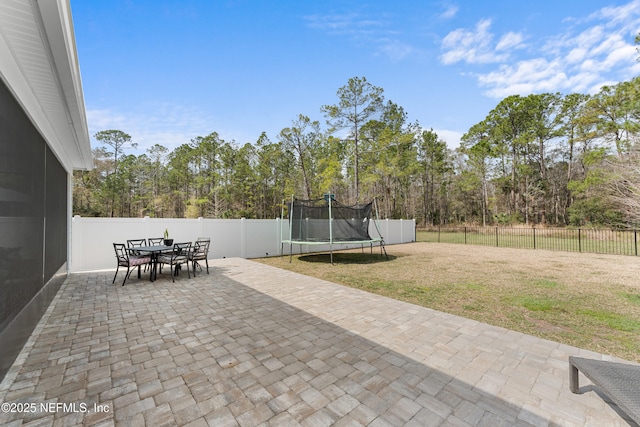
(439, 234)
(465, 235)
(279, 236)
(635, 240)
(497, 245)
(243, 237)
(201, 223)
(534, 238)
(579, 240)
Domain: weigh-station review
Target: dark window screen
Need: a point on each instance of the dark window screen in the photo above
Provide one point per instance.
(32, 193)
(55, 216)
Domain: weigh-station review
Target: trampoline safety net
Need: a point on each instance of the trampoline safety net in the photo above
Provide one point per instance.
(310, 221)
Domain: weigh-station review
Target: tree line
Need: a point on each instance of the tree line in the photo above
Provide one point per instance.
(546, 158)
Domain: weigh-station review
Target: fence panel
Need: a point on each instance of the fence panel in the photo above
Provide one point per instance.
(604, 241)
(92, 238)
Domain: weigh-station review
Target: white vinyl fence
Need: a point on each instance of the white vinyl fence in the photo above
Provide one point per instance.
(92, 238)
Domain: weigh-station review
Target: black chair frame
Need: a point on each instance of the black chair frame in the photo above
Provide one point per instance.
(125, 259)
(156, 241)
(200, 252)
(179, 255)
(136, 243)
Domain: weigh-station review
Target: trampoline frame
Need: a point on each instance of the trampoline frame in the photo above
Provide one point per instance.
(331, 241)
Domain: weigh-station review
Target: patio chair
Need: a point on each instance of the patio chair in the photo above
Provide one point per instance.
(136, 243)
(200, 252)
(156, 241)
(178, 256)
(126, 260)
(203, 239)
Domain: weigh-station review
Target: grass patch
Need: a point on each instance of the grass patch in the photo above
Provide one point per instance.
(549, 284)
(631, 297)
(540, 303)
(613, 320)
(585, 300)
(471, 286)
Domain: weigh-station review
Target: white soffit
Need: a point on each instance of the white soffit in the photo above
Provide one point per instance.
(39, 64)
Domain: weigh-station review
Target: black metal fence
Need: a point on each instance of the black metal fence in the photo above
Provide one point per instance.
(604, 241)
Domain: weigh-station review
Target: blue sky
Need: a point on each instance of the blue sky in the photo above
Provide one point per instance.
(168, 71)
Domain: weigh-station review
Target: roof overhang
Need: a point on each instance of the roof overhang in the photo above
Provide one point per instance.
(39, 64)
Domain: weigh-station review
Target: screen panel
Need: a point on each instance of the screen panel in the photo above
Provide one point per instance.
(22, 177)
(55, 238)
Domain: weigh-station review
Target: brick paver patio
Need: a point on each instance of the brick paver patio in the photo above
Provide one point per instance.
(253, 345)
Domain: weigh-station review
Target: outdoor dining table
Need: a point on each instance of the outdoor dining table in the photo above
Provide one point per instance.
(154, 251)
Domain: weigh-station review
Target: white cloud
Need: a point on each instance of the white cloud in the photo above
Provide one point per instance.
(451, 137)
(620, 56)
(582, 82)
(104, 119)
(596, 88)
(633, 71)
(576, 55)
(395, 49)
(587, 54)
(600, 55)
(536, 75)
(164, 124)
(341, 24)
(364, 31)
(607, 44)
(510, 41)
(618, 15)
(476, 46)
(589, 38)
(449, 12)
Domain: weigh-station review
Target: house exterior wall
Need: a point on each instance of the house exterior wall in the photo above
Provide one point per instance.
(33, 227)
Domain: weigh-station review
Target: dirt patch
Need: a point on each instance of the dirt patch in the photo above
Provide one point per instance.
(497, 264)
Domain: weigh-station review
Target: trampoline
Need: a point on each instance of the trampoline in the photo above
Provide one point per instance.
(327, 222)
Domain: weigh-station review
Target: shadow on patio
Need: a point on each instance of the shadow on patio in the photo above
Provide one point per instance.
(250, 344)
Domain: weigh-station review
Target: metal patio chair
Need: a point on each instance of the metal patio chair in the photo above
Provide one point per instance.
(127, 260)
(200, 252)
(136, 243)
(179, 255)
